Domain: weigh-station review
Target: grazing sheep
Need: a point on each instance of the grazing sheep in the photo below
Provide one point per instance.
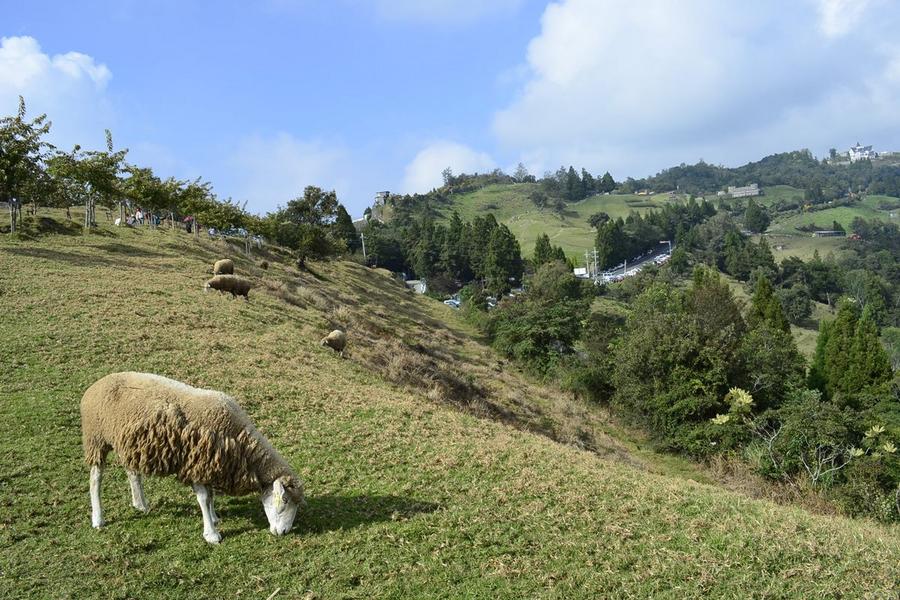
(230, 283)
(336, 340)
(223, 267)
(158, 426)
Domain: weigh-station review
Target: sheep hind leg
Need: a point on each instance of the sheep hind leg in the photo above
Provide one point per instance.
(210, 534)
(96, 506)
(138, 500)
(212, 508)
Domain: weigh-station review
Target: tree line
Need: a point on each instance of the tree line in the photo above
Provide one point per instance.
(33, 171)
(823, 180)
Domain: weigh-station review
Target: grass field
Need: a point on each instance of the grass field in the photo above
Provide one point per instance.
(424, 474)
(511, 206)
(775, 193)
(824, 218)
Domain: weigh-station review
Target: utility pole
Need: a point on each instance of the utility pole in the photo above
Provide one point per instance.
(362, 236)
(596, 262)
(587, 264)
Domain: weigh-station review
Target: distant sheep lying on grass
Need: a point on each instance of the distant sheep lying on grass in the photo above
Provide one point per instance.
(230, 283)
(158, 426)
(336, 340)
(223, 267)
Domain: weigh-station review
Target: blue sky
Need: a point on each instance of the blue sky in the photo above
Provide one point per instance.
(263, 98)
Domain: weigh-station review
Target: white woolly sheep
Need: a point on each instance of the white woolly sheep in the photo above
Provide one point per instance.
(336, 340)
(158, 426)
(230, 283)
(223, 267)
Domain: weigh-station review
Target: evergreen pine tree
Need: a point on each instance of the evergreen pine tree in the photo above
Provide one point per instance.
(573, 185)
(543, 251)
(869, 361)
(765, 308)
(454, 258)
(588, 184)
(606, 183)
(344, 229)
(503, 260)
(838, 351)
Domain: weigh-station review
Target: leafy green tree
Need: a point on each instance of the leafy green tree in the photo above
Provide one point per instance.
(303, 225)
(541, 326)
(146, 190)
(96, 176)
(795, 303)
(598, 219)
(195, 200)
(770, 365)
(521, 174)
(672, 372)
(756, 218)
(22, 153)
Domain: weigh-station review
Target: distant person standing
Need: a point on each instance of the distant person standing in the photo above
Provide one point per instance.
(139, 216)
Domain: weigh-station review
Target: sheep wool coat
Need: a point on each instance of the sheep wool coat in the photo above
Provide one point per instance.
(158, 426)
(230, 283)
(223, 267)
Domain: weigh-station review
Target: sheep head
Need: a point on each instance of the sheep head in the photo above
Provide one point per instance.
(281, 500)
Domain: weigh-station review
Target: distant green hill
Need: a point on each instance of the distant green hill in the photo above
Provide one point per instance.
(570, 229)
(511, 205)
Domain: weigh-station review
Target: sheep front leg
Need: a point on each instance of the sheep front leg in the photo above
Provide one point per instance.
(209, 528)
(138, 500)
(96, 507)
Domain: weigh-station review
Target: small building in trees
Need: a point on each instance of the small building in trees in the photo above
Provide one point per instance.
(419, 286)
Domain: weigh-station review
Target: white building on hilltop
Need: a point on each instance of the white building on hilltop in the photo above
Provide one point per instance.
(859, 152)
(744, 191)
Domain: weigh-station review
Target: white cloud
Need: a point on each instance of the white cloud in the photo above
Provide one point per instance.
(424, 172)
(839, 17)
(69, 87)
(634, 87)
(443, 11)
(269, 171)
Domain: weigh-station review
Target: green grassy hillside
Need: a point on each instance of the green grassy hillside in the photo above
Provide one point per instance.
(570, 229)
(824, 218)
(424, 474)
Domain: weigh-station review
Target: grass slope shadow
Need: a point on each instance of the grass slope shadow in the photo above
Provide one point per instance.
(330, 512)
